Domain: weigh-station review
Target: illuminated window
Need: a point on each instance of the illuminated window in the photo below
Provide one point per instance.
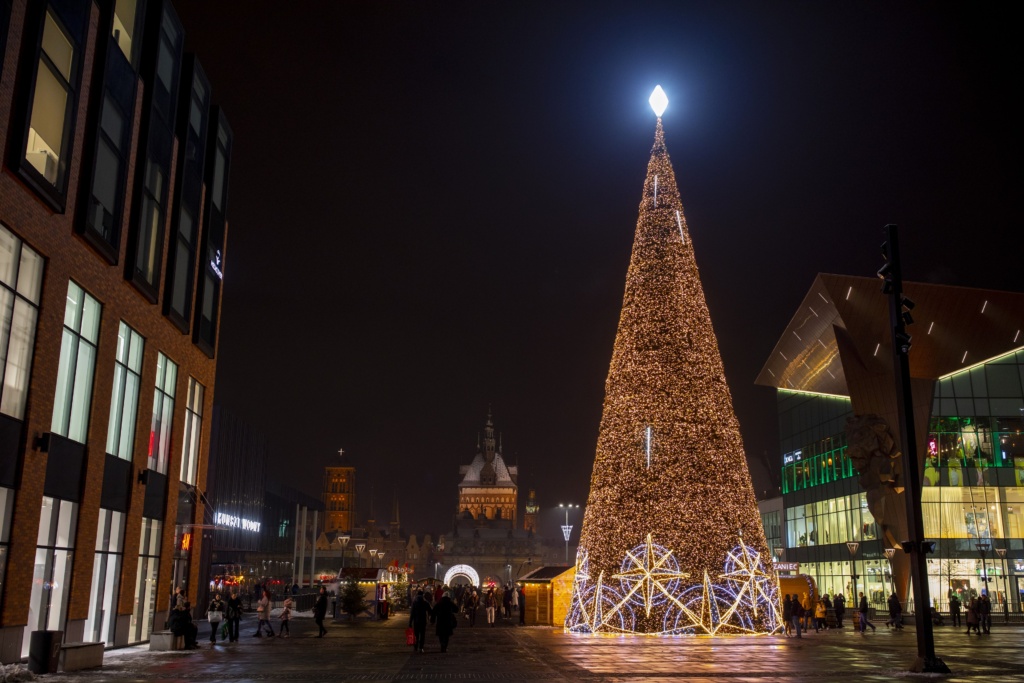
(77, 361)
(141, 624)
(21, 279)
(51, 580)
(193, 431)
(163, 414)
(49, 137)
(123, 29)
(124, 397)
(6, 512)
(106, 577)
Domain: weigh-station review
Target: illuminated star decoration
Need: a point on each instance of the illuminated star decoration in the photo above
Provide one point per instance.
(651, 571)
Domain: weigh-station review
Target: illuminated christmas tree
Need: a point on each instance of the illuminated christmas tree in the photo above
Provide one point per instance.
(672, 540)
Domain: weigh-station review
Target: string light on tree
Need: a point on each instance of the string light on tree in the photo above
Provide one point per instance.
(676, 522)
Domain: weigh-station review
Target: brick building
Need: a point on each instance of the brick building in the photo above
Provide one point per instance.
(113, 221)
(339, 499)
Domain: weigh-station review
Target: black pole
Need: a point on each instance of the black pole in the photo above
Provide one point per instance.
(891, 273)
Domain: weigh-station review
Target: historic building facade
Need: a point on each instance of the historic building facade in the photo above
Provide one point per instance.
(339, 499)
(113, 226)
(488, 493)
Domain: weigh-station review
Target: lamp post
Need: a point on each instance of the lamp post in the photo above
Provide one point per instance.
(852, 547)
(567, 528)
(519, 571)
(1001, 552)
(344, 545)
(380, 557)
(982, 549)
(436, 565)
(889, 552)
(360, 547)
(778, 552)
(373, 556)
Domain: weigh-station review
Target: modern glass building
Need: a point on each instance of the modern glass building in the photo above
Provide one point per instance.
(967, 367)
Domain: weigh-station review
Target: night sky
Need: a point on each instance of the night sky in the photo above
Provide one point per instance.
(433, 206)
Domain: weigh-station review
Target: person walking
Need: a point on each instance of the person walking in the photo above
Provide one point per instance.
(840, 607)
(215, 615)
(798, 616)
(954, 611)
(263, 616)
(233, 615)
(286, 616)
(819, 616)
(864, 623)
(506, 601)
(787, 616)
(985, 612)
(320, 611)
(445, 617)
(808, 609)
(490, 603)
(418, 614)
(895, 613)
(972, 616)
(472, 602)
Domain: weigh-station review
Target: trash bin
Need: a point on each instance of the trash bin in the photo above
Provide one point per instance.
(44, 651)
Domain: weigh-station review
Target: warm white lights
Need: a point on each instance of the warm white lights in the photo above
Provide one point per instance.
(659, 101)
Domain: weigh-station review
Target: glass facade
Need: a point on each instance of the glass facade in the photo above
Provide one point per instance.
(972, 500)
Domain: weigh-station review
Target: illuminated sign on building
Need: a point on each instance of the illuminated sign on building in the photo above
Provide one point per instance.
(215, 265)
(186, 542)
(232, 522)
(787, 566)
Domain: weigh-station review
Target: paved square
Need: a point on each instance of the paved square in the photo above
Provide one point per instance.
(377, 652)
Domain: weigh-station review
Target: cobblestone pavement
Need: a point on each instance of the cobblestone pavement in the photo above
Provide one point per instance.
(377, 652)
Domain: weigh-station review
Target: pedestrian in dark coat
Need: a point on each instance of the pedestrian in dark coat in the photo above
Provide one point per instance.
(954, 611)
(181, 625)
(985, 612)
(864, 623)
(320, 611)
(215, 614)
(233, 615)
(895, 612)
(840, 606)
(445, 618)
(787, 616)
(972, 616)
(418, 614)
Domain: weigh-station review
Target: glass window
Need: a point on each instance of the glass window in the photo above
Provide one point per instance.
(163, 414)
(104, 214)
(184, 265)
(141, 624)
(21, 278)
(51, 580)
(77, 362)
(124, 397)
(193, 431)
(52, 101)
(124, 25)
(150, 230)
(106, 575)
(6, 512)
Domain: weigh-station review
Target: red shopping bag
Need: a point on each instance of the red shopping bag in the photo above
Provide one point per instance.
(410, 638)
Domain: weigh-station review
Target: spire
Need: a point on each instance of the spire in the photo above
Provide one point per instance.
(669, 460)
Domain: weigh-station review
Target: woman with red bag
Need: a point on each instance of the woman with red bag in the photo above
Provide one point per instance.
(417, 631)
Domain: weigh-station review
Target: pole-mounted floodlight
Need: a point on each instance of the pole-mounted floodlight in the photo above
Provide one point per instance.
(659, 101)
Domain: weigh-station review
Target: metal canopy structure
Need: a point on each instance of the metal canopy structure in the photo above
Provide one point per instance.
(955, 328)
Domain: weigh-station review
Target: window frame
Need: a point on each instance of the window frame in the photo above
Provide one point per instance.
(19, 297)
(72, 379)
(124, 411)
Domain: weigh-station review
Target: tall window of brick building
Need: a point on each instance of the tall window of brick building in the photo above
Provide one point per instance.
(51, 581)
(77, 364)
(106, 573)
(124, 397)
(21, 279)
(53, 100)
(163, 414)
(106, 199)
(193, 431)
(123, 30)
(141, 624)
(6, 511)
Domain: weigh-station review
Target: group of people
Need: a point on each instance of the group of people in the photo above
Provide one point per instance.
(979, 613)
(800, 614)
(443, 605)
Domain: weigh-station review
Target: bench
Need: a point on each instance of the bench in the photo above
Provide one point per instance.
(75, 656)
(165, 640)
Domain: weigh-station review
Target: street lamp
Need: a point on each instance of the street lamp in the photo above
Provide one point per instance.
(380, 556)
(889, 552)
(344, 545)
(360, 547)
(852, 547)
(519, 571)
(1001, 552)
(982, 549)
(567, 528)
(436, 565)
(778, 552)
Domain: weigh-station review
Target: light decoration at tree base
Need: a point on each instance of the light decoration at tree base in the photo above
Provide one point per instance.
(652, 595)
(658, 550)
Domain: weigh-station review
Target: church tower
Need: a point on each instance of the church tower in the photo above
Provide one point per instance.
(530, 518)
(488, 492)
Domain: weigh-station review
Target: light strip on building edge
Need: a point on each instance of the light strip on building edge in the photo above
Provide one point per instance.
(877, 346)
(796, 335)
(822, 297)
(984, 306)
(1016, 337)
(980, 363)
(848, 292)
(815, 393)
(814, 312)
(679, 222)
(930, 327)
